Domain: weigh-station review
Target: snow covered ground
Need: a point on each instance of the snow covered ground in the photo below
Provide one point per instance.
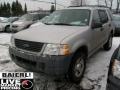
(94, 78)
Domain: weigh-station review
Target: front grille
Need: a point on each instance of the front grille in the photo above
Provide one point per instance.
(28, 45)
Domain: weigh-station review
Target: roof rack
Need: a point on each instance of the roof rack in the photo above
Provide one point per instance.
(90, 6)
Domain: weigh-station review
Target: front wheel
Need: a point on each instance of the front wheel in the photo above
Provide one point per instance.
(77, 68)
(7, 29)
(108, 45)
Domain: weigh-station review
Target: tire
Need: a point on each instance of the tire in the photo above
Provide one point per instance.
(108, 45)
(7, 29)
(75, 73)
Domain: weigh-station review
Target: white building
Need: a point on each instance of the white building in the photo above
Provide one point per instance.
(78, 2)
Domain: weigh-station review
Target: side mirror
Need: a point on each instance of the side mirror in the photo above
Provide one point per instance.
(96, 25)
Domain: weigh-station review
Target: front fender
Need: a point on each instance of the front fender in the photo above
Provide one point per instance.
(78, 44)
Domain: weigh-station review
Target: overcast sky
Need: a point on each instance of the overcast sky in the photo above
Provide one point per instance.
(34, 5)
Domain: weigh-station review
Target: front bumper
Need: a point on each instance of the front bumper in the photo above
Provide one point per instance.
(50, 65)
(113, 83)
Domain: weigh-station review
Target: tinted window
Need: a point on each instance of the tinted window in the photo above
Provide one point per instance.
(110, 14)
(29, 17)
(103, 16)
(35, 17)
(42, 16)
(96, 18)
(75, 17)
(118, 54)
(116, 17)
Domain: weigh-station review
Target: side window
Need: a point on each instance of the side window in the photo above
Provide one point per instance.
(110, 14)
(96, 18)
(118, 56)
(35, 17)
(103, 16)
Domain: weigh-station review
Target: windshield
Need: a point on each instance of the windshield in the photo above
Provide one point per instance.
(116, 17)
(12, 19)
(28, 17)
(43, 20)
(74, 17)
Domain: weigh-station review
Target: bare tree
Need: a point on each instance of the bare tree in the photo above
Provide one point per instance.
(98, 2)
(78, 2)
(106, 3)
(81, 2)
(102, 2)
(118, 5)
(111, 3)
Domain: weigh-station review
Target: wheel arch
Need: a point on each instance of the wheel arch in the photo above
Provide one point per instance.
(83, 49)
(7, 26)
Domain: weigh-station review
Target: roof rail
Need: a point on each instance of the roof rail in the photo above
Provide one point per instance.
(90, 6)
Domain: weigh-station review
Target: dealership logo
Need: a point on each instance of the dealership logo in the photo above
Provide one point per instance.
(26, 45)
(16, 81)
(9, 84)
(27, 84)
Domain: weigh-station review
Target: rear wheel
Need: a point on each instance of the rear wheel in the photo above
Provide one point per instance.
(108, 45)
(77, 68)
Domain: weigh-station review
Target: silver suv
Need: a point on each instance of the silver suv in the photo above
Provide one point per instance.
(63, 45)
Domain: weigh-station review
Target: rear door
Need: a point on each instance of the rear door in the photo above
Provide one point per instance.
(96, 32)
(105, 25)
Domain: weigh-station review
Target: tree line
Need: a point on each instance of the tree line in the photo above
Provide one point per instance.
(14, 9)
(109, 3)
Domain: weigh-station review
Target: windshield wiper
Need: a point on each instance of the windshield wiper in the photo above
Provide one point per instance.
(58, 24)
(62, 24)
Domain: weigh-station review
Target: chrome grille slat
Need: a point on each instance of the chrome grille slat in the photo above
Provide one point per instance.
(28, 45)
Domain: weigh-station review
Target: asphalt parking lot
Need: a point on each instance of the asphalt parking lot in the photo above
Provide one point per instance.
(94, 78)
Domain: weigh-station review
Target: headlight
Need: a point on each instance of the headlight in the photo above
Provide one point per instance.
(56, 49)
(116, 68)
(12, 43)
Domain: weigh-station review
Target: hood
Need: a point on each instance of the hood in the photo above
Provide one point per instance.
(49, 33)
(4, 24)
(37, 24)
(19, 22)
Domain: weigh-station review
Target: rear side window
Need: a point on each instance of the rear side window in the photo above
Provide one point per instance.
(103, 16)
(110, 14)
(118, 56)
(35, 17)
(96, 18)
